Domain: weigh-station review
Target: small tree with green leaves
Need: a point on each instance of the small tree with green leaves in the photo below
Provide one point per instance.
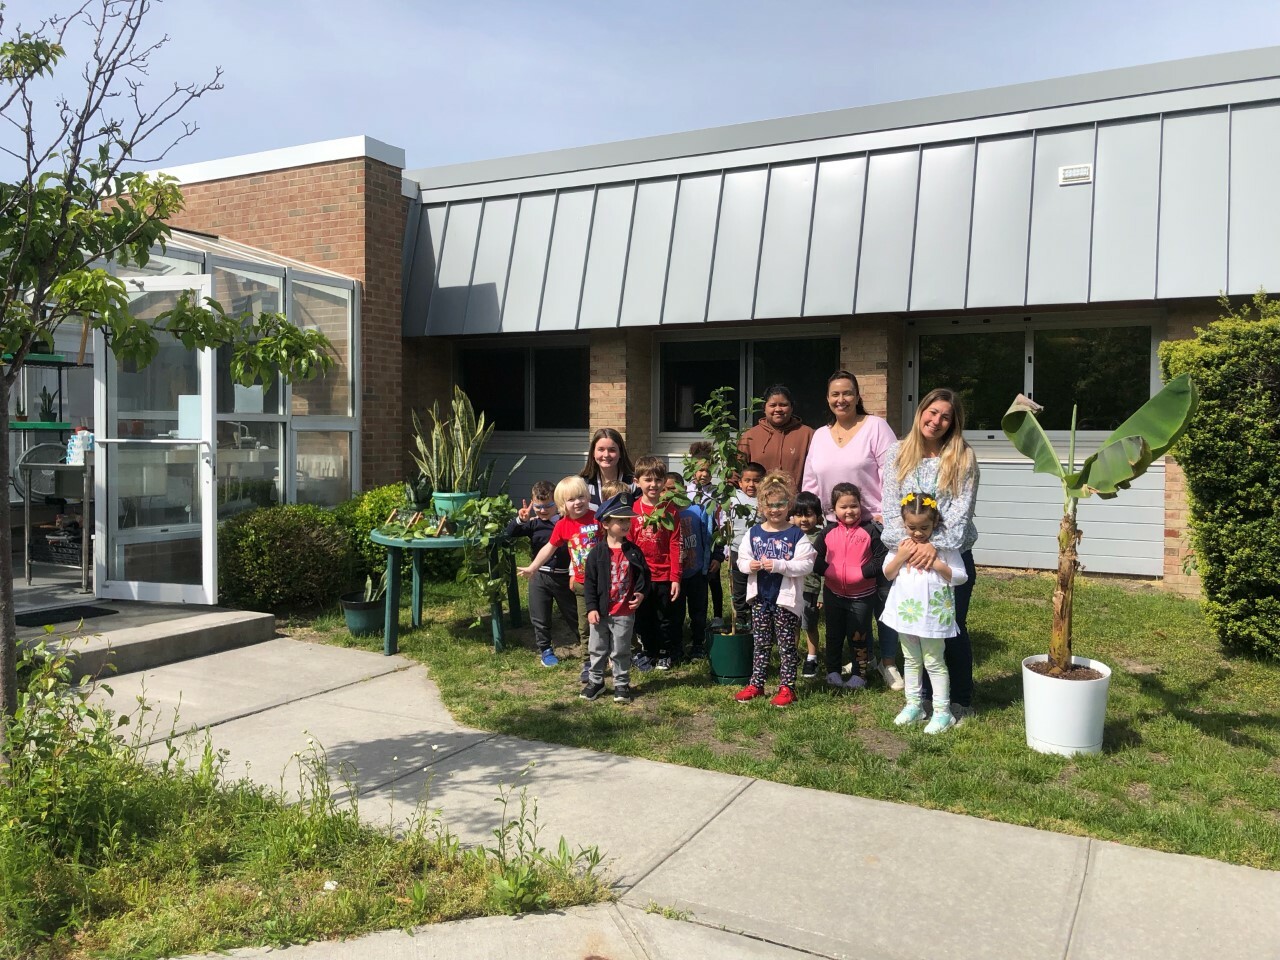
(77, 204)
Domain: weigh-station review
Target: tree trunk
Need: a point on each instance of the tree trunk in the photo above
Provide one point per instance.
(8, 626)
(1064, 593)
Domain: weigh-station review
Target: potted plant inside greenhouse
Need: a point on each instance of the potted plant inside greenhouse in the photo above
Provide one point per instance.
(364, 610)
(1065, 696)
(48, 406)
(729, 646)
(448, 455)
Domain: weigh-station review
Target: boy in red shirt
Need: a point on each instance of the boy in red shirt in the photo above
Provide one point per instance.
(578, 530)
(656, 531)
(617, 578)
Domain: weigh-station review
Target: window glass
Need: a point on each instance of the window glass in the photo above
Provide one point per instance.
(239, 292)
(561, 385)
(248, 466)
(324, 467)
(159, 265)
(1106, 371)
(986, 369)
(802, 366)
(494, 379)
(327, 309)
(690, 370)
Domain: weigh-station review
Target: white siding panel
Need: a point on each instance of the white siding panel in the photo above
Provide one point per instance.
(942, 227)
(833, 249)
(1001, 205)
(647, 258)
(692, 240)
(563, 288)
(489, 276)
(1126, 197)
(1058, 268)
(1255, 199)
(884, 272)
(1193, 205)
(1018, 512)
(528, 263)
(448, 311)
(780, 291)
(733, 278)
(607, 258)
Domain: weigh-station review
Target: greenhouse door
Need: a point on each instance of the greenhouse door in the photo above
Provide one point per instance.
(154, 462)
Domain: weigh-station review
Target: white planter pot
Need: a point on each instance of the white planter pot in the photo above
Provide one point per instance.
(1065, 716)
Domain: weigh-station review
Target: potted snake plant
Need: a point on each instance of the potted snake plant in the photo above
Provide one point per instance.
(1065, 696)
(448, 454)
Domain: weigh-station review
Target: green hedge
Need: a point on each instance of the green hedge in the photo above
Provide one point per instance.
(294, 556)
(366, 511)
(1231, 457)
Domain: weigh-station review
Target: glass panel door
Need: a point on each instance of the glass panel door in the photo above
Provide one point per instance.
(154, 472)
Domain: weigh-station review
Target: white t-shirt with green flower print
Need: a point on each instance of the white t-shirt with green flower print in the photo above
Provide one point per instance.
(922, 603)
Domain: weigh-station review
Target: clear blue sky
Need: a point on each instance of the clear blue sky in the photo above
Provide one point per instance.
(455, 81)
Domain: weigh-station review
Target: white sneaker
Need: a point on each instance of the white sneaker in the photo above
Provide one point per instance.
(891, 676)
(959, 711)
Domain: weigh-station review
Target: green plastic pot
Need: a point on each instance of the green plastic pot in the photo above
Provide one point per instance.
(446, 504)
(729, 655)
(364, 617)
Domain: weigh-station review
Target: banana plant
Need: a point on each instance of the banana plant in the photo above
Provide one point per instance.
(1123, 457)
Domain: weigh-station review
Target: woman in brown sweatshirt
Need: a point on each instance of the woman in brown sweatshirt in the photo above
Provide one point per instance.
(780, 441)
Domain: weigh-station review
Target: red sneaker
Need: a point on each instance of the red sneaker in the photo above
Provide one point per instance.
(784, 697)
(749, 692)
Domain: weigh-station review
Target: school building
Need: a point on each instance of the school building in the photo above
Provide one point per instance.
(1041, 238)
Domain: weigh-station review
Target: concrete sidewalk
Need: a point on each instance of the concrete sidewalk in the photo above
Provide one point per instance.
(762, 870)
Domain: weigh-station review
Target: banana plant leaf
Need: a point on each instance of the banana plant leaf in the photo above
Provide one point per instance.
(1024, 431)
(1138, 442)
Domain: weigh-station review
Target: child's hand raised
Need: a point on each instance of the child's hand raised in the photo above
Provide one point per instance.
(523, 512)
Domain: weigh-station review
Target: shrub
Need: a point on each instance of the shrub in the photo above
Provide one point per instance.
(1229, 456)
(287, 557)
(369, 510)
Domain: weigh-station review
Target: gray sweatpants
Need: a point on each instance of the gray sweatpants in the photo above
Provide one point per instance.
(611, 637)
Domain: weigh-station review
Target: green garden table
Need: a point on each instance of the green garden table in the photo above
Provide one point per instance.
(395, 555)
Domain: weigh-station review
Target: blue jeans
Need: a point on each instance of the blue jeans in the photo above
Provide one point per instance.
(959, 648)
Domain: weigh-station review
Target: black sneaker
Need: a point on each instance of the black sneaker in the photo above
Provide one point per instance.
(664, 663)
(622, 694)
(697, 653)
(592, 691)
(810, 669)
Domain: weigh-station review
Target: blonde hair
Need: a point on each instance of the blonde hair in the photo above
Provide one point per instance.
(777, 480)
(955, 456)
(611, 488)
(573, 486)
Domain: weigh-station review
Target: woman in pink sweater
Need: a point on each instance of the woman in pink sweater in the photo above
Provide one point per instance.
(852, 449)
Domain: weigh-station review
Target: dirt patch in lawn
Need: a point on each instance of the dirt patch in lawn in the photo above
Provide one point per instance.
(1139, 792)
(883, 743)
(1136, 667)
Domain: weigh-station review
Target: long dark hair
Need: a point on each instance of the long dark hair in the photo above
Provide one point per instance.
(781, 390)
(591, 472)
(845, 375)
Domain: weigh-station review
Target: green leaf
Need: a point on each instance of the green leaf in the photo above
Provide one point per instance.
(1024, 431)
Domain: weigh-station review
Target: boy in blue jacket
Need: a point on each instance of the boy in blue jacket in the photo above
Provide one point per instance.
(550, 583)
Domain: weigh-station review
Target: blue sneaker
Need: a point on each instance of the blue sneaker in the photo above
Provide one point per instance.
(549, 659)
(939, 722)
(643, 663)
(911, 713)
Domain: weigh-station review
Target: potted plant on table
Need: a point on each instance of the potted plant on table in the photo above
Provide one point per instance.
(19, 412)
(448, 455)
(48, 410)
(1065, 696)
(729, 648)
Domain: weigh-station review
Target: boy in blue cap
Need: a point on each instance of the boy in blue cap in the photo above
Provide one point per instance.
(616, 577)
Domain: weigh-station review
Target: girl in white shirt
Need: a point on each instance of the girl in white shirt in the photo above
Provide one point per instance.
(922, 608)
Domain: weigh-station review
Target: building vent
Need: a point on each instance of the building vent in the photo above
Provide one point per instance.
(1075, 173)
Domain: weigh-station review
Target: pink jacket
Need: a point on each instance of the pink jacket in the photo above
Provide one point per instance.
(850, 558)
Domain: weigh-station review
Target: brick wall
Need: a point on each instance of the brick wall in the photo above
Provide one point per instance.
(871, 349)
(347, 216)
(1183, 318)
(428, 377)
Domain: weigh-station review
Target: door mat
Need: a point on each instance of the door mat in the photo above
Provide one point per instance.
(63, 615)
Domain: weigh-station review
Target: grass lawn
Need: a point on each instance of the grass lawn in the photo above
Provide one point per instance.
(1191, 762)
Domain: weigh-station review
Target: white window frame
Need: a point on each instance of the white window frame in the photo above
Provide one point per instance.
(993, 445)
